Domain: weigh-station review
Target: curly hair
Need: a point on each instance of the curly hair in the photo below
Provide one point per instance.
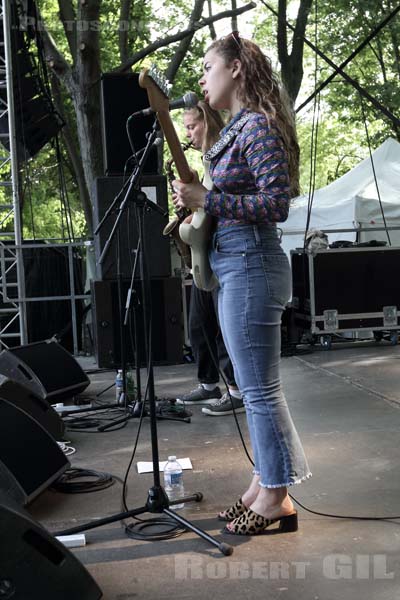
(261, 91)
(213, 123)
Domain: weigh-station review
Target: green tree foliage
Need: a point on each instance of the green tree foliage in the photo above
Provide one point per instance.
(123, 35)
(344, 113)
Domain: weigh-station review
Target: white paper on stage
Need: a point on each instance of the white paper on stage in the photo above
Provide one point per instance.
(147, 467)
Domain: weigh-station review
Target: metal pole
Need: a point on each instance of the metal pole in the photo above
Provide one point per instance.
(73, 299)
(14, 169)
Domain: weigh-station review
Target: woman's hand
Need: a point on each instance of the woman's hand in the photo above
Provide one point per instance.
(189, 195)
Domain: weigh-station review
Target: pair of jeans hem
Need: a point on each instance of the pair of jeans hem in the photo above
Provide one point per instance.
(289, 484)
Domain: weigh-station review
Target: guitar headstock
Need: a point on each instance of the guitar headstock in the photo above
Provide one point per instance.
(157, 87)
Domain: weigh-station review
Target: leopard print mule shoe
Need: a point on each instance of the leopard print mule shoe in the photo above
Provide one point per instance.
(233, 511)
(250, 523)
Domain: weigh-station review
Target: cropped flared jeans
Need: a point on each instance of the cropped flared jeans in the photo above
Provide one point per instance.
(255, 284)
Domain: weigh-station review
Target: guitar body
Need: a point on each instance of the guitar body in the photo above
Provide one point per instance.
(197, 234)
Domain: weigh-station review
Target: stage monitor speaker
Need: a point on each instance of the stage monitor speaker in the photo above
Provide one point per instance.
(38, 408)
(121, 96)
(28, 451)
(167, 329)
(10, 489)
(45, 368)
(157, 246)
(36, 566)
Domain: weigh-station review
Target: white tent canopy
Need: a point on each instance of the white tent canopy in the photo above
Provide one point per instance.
(352, 201)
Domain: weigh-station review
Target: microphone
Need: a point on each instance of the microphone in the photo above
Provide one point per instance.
(188, 100)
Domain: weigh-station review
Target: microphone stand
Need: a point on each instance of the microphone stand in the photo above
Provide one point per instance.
(133, 192)
(157, 499)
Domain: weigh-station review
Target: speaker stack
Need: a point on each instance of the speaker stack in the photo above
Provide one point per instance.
(33, 563)
(32, 378)
(122, 96)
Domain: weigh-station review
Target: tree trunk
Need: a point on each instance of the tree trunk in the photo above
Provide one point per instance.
(73, 153)
(292, 64)
(86, 95)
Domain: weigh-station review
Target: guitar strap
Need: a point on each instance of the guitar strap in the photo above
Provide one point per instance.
(227, 139)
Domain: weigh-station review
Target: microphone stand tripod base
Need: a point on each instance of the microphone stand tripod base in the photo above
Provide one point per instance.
(157, 502)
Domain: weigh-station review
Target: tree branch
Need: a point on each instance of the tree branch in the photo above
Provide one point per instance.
(234, 21)
(55, 59)
(300, 28)
(213, 33)
(283, 54)
(170, 39)
(183, 47)
(73, 152)
(68, 19)
(123, 31)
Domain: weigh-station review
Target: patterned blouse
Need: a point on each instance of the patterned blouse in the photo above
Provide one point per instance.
(250, 175)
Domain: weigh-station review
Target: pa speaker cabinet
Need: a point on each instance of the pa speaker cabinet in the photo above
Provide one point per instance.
(46, 368)
(38, 408)
(156, 245)
(28, 451)
(36, 566)
(10, 490)
(167, 329)
(346, 289)
(121, 96)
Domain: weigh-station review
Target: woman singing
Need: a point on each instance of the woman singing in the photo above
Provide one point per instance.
(254, 169)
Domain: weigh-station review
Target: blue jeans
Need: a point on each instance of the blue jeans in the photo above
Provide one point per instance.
(255, 284)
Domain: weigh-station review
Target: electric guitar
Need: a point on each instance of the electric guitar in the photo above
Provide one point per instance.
(195, 233)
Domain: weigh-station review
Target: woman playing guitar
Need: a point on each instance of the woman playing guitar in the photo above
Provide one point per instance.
(254, 169)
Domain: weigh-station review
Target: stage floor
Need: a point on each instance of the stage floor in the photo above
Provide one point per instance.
(346, 405)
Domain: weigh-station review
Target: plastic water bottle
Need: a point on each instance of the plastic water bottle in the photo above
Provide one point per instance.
(173, 481)
(119, 386)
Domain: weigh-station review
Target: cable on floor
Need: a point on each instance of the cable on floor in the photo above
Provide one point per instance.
(82, 481)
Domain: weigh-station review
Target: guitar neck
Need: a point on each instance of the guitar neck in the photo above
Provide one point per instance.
(175, 147)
